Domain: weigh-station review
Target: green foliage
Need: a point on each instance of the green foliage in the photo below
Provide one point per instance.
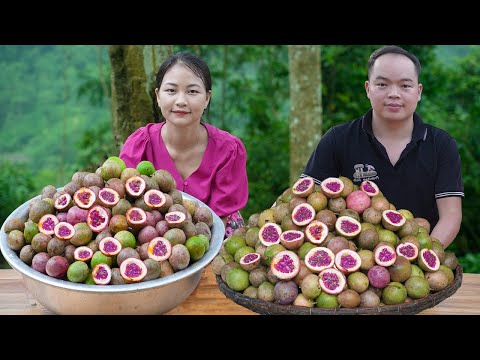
(18, 185)
(470, 263)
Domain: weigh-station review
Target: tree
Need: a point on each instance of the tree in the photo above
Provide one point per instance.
(133, 69)
(306, 104)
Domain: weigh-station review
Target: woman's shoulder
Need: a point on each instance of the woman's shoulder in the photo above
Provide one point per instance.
(223, 138)
(144, 133)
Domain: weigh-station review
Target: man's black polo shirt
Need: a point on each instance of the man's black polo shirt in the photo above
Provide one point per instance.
(429, 167)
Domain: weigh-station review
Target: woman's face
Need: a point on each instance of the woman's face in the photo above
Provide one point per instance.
(182, 96)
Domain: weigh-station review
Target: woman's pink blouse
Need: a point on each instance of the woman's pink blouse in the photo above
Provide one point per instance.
(221, 179)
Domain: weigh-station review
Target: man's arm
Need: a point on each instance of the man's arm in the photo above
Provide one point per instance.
(450, 219)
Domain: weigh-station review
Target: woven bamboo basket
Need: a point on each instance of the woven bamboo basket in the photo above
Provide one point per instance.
(413, 307)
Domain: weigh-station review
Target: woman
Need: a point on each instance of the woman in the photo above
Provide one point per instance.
(206, 162)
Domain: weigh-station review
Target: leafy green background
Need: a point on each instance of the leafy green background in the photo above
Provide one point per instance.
(55, 117)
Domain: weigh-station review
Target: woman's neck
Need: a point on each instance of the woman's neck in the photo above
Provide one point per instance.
(184, 137)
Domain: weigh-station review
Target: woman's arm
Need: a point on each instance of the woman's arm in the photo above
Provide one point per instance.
(232, 222)
(450, 219)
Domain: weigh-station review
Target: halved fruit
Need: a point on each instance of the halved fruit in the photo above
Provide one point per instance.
(133, 270)
(159, 249)
(84, 198)
(347, 261)
(347, 227)
(63, 201)
(316, 232)
(292, 239)
(408, 250)
(108, 197)
(175, 219)
(332, 187)
(384, 254)
(392, 220)
(319, 258)
(135, 186)
(285, 265)
(46, 224)
(303, 214)
(369, 187)
(101, 274)
(136, 217)
(304, 186)
(332, 281)
(98, 218)
(83, 253)
(154, 198)
(250, 261)
(64, 230)
(428, 260)
(269, 234)
(110, 246)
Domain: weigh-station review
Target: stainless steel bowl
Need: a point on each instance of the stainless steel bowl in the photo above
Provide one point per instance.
(149, 297)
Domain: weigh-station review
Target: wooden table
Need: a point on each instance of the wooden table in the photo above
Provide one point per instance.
(207, 299)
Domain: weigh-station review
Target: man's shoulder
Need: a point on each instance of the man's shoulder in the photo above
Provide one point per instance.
(347, 127)
(438, 134)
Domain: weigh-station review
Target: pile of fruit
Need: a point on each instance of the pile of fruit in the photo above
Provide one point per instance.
(115, 226)
(337, 245)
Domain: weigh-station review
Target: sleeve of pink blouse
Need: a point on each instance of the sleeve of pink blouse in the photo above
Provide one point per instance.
(230, 186)
(134, 148)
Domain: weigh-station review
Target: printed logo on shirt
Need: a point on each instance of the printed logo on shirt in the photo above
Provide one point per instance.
(362, 172)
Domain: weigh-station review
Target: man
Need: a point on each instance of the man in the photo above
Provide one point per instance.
(416, 166)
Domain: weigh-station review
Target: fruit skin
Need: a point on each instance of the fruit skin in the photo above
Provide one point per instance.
(237, 279)
(285, 292)
(417, 287)
(358, 201)
(196, 247)
(394, 293)
(145, 167)
(77, 272)
(378, 276)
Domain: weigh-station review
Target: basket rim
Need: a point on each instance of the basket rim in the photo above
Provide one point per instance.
(268, 308)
